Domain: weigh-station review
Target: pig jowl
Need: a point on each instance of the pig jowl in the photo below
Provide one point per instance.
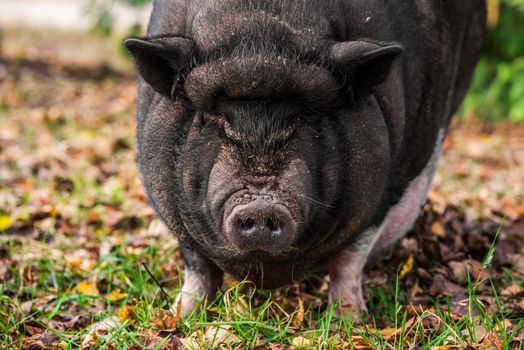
(276, 136)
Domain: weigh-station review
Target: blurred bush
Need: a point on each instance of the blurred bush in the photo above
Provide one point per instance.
(101, 11)
(497, 91)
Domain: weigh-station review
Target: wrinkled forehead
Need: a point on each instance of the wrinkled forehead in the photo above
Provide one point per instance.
(260, 77)
(254, 50)
(218, 24)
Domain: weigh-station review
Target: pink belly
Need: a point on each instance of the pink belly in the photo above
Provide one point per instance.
(402, 215)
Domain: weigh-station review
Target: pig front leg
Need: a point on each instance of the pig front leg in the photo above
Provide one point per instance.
(345, 274)
(202, 279)
(346, 268)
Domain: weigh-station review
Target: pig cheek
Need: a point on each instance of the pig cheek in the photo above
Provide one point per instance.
(329, 183)
(295, 187)
(369, 164)
(223, 183)
(192, 185)
(198, 161)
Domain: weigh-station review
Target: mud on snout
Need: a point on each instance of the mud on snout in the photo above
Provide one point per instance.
(260, 215)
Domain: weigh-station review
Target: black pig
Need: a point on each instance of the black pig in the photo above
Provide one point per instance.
(277, 135)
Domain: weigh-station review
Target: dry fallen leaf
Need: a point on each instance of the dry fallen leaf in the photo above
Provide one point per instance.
(166, 320)
(43, 341)
(460, 307)
(359, 343)
(390, 333)
(81, 264)
(88, 288)
(191, 342)
(5, 222)
(513, 212)
(216, 336)
(64, 322)
(301, 342)
(492, 341)
(153, 340)
(177, 308)
(442, 286)
(519, 338)
(34, 327)
(480, 332)
(125, 313)
(116, 295)
(407, 267)
(438, 229)
(111, 217)
(459, 270)
(511, 291)
(299, 317)
(503, 325)
(42, 302)
(98, 330)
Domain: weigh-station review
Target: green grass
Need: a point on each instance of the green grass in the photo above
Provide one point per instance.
(253, 318)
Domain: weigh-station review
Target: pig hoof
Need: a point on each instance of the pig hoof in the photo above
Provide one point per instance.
(349, 304)
(346, 310)
(197, 288)
(185, 303)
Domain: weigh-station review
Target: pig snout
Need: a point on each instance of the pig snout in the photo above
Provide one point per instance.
(261, 225)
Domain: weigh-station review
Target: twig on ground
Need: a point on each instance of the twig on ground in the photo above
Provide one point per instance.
(164, 294)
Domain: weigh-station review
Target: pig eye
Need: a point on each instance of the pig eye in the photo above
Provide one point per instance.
(213, 119)
(220, 121)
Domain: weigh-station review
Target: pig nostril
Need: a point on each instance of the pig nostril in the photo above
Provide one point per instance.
(260, 225)
(274, 228)
(247, 226)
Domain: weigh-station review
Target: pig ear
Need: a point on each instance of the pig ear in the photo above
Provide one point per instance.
(366, 64)
(160, 60)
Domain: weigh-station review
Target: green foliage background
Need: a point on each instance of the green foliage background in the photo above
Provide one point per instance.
(497, 92)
